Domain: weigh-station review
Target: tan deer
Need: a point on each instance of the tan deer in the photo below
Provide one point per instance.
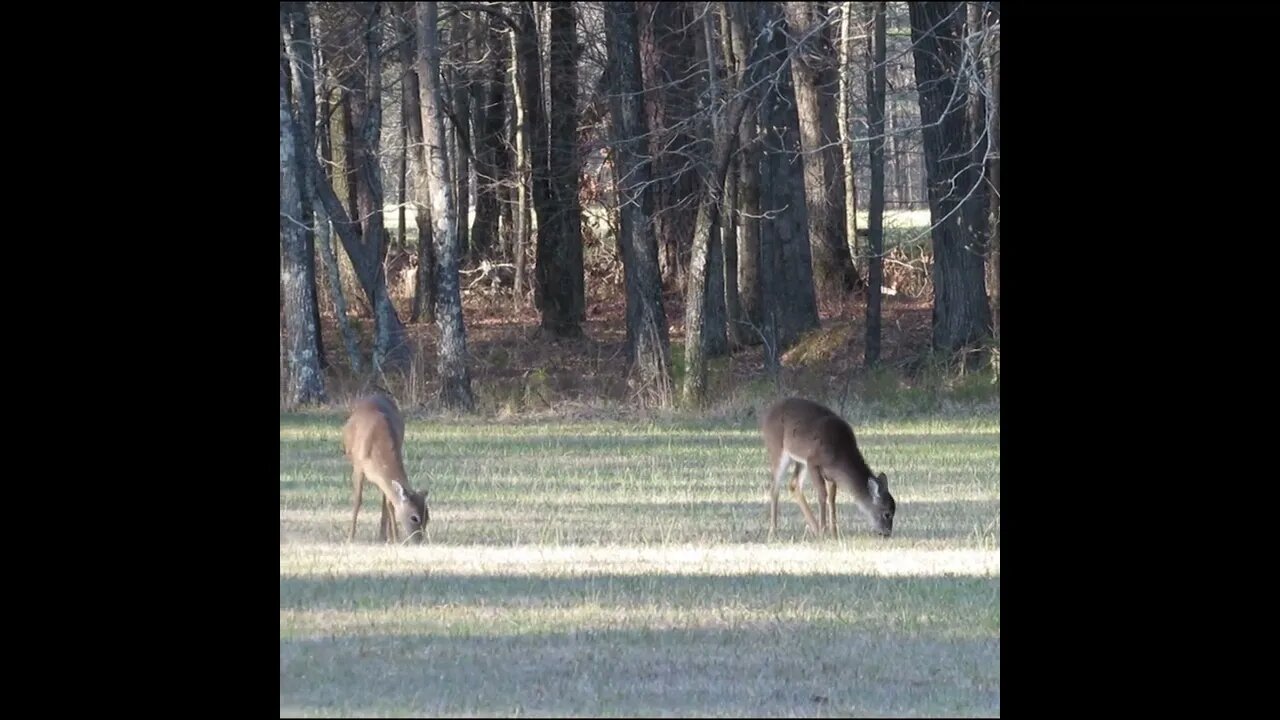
(822, 445)
(373, 440)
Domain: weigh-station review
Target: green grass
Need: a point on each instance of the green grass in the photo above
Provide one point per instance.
(612, 568)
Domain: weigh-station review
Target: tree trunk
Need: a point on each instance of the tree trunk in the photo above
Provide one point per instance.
(305, 59)
(461, 130)
(813, 77)
(350, 163)
(391, 347)
(491, 158)
(961, 315)
(787, 292)
(876, 82)
(667, 49)
(994, 64)
(424, 283)
(715, 316)
(455, 379)
(559, 270)
(403, 169)
(742, 27)
(724, 142)
(648, 345)
(305, 382)
(303, 142)
(729, 241)
(847, 130)
(524, 52)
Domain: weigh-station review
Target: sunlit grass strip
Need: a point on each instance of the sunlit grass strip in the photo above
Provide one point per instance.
(835, 557)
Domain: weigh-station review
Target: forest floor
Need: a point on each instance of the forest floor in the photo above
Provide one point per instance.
(517, 370)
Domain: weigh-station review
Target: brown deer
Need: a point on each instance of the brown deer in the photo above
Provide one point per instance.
(373, 440)
(822, 445)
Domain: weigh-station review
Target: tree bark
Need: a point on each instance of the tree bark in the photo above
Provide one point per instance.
(391, 347)
(787, 290)
(648, 345)
(459, 36)
(559, 270)
(455, 378)
(724, 142)
(667, 48)
(304, 139)
(742, 27)
(715, 314)
(491, 156)
(524, 53)
(424, 284)
(994, 61)
(847, 129)
(824, 184)
(305, 60)
(305, 382)
(961, 315)
(876, 82)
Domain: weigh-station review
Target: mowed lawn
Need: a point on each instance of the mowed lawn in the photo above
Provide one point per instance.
(623, 568)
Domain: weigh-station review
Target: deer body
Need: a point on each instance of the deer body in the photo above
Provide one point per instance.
(373, 439)
(821, 443)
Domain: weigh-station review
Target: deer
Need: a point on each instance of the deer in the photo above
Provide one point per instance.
(373, 440)
(822, 447)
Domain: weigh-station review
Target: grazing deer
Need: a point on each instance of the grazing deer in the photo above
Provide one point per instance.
(373, 440)
(822, 444)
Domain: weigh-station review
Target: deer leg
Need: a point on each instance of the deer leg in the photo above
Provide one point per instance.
(393, 527)
(804, 505)
(821, 484)
(783, 464)
(357, 479)
(389, 529)
(831, 497)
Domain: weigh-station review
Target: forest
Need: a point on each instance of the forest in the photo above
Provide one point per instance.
(509, 206)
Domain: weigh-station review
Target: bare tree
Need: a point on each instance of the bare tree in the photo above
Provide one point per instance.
(993, 61)
(669, 36)
(748, 189)
(458, 83)
(424, 285)
(304, 61)
(305, 382)
(724, 131)
(491, 156)
(559, 271)
(847, 125)
(648, 345)
(876, 81)
(961, 315)
(365, 246)
(789, 302)
(532, 152)
(455, 378)
(814, 80)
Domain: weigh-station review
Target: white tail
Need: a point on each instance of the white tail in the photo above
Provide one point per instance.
(373, 439)
(822, 444)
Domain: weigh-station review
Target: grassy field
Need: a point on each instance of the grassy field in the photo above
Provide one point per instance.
(622, 568)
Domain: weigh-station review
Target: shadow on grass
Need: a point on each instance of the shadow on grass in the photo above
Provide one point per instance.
(867, 598)
(490, 521)
(899, 646)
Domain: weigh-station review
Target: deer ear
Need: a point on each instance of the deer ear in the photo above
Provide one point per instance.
(873, 484)
(884, 480)
(404, 495)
